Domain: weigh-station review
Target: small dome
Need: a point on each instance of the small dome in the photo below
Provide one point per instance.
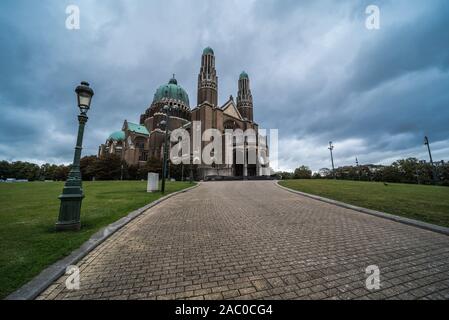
(171, 91)
(117, 136)
(208, 50)
(173, 81)
(244, 75)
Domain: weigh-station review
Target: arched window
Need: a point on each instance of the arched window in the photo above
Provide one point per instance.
(231, 124)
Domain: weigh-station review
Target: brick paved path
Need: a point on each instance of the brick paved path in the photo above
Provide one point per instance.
(253, 240)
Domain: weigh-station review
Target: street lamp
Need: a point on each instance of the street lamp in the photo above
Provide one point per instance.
(167, 109)
(72, 194)
(427, 143)
(191, 168)
(331, 147)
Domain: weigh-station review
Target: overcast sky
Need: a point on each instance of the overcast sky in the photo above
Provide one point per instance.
(317, 73)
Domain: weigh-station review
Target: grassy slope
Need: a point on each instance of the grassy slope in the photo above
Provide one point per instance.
(28, 212)
(425, 203)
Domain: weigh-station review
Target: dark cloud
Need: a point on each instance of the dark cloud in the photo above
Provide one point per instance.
(317, 73)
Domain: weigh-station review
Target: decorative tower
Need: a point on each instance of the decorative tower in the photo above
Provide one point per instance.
(207, 79)
(245, 98)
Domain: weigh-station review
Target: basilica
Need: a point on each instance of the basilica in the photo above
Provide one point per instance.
(137, 142)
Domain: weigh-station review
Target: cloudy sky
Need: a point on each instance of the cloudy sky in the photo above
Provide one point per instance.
(317, 73)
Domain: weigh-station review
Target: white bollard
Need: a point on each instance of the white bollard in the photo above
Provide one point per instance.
(153, 182)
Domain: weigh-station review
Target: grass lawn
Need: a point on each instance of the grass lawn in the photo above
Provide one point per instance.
(28, 212)
(425, 203)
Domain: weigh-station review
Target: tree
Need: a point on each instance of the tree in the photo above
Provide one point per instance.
(284, 175)
(87, 167)
(153, 165)
(61, 173)
(5, 170)
(47, 171)
(107, 167)
(443, 171)
(43, 171)
(132, 172)
(302, 172)
(389, 174)
(408, 169)
(423, 174)
(365, 173)
(25, 170)
(325, 173)
(176, 171)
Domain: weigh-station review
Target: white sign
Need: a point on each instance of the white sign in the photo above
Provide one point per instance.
(153, 182)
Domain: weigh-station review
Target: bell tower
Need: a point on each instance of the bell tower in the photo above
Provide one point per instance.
(245, 98)
(207, 79)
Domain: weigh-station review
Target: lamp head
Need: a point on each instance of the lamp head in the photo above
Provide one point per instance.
(84, 95)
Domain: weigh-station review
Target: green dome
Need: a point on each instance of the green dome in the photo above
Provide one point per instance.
(171, 91)
(117, 136)
(244, 75)
(208, 50)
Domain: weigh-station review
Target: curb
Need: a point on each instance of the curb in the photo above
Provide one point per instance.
(33, 288)
(410, 222)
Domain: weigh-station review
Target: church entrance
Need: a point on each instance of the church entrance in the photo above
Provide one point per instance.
(252, 170)
(238, 168)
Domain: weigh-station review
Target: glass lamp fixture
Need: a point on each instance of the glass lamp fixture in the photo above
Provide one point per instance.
(84, 94)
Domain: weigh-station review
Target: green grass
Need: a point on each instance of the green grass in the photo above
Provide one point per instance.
(426, 203)
(28, 212)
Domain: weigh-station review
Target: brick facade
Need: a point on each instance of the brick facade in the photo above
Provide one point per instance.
(146, 139)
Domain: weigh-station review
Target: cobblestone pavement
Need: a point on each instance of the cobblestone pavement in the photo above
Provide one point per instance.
(253, 240)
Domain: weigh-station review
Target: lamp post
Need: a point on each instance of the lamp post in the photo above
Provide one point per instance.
(358, 168)
(182, 171)
(331, 148)
(427, 143)
(167, 109)
(72, 194)
(191, 169)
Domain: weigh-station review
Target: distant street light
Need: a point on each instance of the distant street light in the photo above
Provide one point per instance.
(331, 148)
(427, 143)
(72, 194)
(358, 168)
(167, 109)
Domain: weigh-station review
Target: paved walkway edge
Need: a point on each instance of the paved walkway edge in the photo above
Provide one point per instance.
(411, 222)
(52, 273)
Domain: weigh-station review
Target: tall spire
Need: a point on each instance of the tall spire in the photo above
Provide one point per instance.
(244, 97)
(207, 79)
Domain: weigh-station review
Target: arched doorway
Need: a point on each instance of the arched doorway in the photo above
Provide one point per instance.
(238, 168)
(237, 152)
